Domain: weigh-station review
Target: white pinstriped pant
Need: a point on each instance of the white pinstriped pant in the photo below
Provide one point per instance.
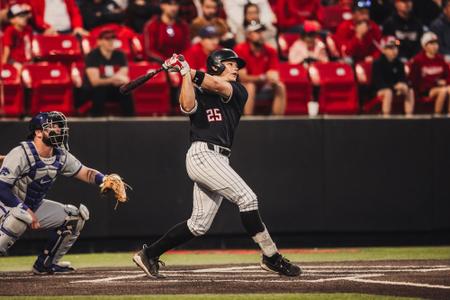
(214, 179)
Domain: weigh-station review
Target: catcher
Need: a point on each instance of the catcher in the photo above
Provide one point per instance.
(26, 175)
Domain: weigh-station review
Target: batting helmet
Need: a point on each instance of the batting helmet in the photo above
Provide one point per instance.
(49, 120)
(214, 63)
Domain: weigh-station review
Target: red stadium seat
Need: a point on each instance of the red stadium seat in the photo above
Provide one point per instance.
(333, 15)
(152, 98)
(59, 48)
(51, 87)
(338, 93)
(12, 102)
(298, 88)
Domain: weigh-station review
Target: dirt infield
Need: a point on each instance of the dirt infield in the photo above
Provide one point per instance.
(424, 279)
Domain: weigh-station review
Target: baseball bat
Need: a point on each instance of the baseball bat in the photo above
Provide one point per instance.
(137, 82)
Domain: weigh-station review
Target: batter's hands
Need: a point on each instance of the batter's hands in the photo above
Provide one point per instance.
(35, 222)
(177, 63)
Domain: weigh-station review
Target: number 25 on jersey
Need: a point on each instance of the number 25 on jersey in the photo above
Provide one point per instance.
(214, 115)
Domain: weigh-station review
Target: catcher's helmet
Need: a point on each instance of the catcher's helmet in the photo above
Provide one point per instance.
(214, 62)
(48, 120)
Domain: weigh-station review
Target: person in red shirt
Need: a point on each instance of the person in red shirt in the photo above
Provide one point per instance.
(166, 34)
(291, 13)
(430, 73)
(198, 53)
(17, 37)
(359, 38)
(49, 17)
(260, 76)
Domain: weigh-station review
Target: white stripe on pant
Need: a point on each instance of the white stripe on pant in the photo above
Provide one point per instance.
(214, 179)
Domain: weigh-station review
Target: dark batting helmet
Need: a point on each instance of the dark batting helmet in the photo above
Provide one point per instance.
(214, 62)
(48, 120)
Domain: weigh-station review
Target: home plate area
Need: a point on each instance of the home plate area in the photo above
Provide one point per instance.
(424, 279)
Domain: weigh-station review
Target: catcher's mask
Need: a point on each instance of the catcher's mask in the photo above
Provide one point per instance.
(49, 121)
(214, 61)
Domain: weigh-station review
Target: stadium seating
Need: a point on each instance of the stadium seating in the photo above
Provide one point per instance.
(285, 41)
(298, 88)
(338, 93)
(152, 98)
(51, 87)
(11, 92)
(58, 48)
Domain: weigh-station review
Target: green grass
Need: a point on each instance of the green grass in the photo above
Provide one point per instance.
(305, 296)
(23, 263)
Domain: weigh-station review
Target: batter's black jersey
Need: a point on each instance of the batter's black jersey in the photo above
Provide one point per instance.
(216, 119)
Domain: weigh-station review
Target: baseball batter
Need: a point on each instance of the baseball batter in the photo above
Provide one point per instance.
(27, 173)
(214, 103)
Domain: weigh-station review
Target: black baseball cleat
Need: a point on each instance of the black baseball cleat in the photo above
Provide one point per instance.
(53, 269)
(149, 265)
(280, 265)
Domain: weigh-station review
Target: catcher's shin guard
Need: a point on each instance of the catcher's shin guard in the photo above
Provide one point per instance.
(12, 226)
(65, 236)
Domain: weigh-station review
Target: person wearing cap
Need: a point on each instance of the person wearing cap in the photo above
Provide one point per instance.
(260, 76)
(405, 27)
(389, 79)
(210, 16)
(17, 37)
(309, 47)
(197, 54)
(106, 71)
(166, 34)
(430, 73)
(57, 16)
(292, 13)
(441, 27)
(238, 16)
(358, 38)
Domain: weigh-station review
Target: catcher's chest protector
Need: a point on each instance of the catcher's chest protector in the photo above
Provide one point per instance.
(32, 186)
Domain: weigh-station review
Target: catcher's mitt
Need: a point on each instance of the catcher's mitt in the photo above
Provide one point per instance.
(114, 183)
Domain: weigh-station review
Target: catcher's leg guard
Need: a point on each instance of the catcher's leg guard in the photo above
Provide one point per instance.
(12, 226)
(65, 236)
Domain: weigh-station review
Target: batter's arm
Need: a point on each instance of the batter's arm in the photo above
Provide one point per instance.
(215, 84)
(187, 94)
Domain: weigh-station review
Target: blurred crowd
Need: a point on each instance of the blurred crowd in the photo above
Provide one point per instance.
(399, 50)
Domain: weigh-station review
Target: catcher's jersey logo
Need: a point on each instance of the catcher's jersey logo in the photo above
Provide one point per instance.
(4, 171)
(214, 115)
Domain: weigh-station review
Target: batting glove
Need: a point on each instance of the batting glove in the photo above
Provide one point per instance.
(184, 66)
(170, 64)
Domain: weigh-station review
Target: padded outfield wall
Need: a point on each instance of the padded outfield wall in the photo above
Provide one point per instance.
(311, 175)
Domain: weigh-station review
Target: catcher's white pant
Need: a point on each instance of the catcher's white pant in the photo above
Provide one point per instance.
(214, 179)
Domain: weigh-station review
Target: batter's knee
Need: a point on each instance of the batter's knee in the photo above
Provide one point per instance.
(247, 201)
(197, 228)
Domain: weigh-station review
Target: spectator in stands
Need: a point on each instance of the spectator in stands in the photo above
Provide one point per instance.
(427, 10)
(380, 10)
(430, 73)
(441, 26)
(252, 14)
(210, 10)
(166, 34)
(57, 16)
(260, 76)
(188, 10)
(139, 12)
(359, 38)
(292, 13)
(106, 71)
(406, 28)
(309, 47)
(99, 12)
(389, 79)
(197, 54)
(241, 12)
(17, 37)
